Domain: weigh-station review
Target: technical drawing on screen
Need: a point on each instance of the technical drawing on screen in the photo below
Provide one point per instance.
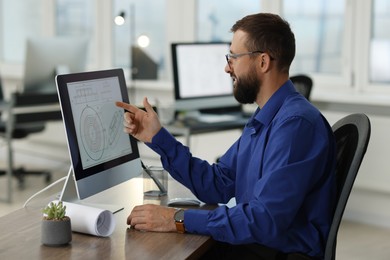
(98, 122)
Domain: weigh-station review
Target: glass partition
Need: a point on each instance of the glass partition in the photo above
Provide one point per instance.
(140, 18)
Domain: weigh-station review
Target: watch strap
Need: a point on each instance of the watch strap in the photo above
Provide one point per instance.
(179, 221)
(180, 227)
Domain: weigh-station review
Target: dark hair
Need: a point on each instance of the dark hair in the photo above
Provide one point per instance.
(271, 34)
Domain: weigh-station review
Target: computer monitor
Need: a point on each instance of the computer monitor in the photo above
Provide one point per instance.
(142, 65)
(102, 155)
(200, 81)
(47, 57)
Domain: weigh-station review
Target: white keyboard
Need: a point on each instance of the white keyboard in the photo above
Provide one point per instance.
(213, 118)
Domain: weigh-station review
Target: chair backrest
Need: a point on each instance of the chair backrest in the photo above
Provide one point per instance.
(31, 107)
(35, 107)
(303, 84)
(2, 101)
(352, 135)
(1, 91)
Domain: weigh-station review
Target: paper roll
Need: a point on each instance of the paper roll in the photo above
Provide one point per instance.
(90, 220)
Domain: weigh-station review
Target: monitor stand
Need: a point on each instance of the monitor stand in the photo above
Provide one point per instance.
(69, 194)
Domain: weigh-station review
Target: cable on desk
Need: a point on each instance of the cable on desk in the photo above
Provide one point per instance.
(47, 187)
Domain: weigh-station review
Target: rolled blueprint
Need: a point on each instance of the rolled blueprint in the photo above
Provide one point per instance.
(90, 220)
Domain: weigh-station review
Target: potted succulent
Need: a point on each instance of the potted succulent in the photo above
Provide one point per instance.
(56, 226)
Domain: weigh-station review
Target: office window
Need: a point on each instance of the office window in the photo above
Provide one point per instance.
(141, 17)
(19, 19)
(76, 18)
(216, 17)
(380, 43)
(24, 19)
(319, 30)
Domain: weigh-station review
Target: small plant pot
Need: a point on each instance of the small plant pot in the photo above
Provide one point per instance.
(56, 232)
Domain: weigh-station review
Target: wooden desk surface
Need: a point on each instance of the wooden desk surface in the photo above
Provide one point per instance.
(20, 233)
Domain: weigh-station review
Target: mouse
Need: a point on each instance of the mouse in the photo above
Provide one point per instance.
(183, 202)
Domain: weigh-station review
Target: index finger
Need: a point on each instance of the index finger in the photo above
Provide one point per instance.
(126, 106)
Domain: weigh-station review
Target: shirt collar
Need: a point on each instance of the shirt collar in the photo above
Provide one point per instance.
(265, 115)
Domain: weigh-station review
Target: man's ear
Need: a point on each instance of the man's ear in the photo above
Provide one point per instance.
(264, 63)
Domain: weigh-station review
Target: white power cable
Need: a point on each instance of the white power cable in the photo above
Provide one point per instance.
(46, 188)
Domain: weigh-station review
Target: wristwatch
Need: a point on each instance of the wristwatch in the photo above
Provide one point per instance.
(179, 220)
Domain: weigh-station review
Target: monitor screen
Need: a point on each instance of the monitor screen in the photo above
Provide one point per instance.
(47, 57)
(200, 80)
(102, 155)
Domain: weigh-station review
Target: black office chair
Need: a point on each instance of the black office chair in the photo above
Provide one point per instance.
(26, 114)
(352, 136)
(19, 132)
(303, 84)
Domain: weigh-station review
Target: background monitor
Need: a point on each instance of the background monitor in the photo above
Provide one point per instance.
(102, 155)
(200, 81)
(47, 57)
(142, 65)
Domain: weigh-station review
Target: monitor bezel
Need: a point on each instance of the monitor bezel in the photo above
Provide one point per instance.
(62, 81)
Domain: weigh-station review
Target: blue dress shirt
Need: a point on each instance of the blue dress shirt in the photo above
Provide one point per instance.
(281, 172)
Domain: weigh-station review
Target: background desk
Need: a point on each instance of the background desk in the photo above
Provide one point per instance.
(20, 236)
(192, 127)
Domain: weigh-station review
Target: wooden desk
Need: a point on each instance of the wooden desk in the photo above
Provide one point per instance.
(20, 235)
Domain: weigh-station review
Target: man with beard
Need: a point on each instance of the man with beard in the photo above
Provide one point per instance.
(280, 170)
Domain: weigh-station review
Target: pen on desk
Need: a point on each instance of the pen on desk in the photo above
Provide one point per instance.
(154, 178)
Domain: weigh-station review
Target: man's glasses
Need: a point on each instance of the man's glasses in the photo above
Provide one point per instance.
(231, 56)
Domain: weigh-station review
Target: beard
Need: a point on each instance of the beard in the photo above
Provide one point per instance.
(247, 87)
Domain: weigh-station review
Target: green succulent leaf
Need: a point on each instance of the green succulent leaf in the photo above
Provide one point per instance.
(55, 211)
